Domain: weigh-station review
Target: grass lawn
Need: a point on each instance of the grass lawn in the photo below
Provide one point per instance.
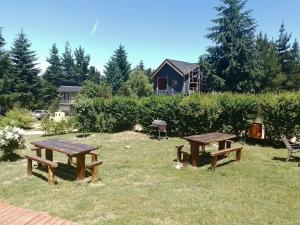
(140, 185)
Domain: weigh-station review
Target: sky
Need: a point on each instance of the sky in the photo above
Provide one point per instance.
(150, 30)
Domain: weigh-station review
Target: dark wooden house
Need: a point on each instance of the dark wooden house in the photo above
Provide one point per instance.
(174, 77)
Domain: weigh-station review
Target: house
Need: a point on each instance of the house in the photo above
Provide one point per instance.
(174, 77)
(67, 96)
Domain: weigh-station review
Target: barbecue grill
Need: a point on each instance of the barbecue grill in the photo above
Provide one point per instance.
(160, 126)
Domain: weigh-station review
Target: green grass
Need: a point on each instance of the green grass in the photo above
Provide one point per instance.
(140, 185)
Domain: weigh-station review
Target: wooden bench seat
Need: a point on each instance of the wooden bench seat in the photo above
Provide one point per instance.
(214, 155)
(95, 170)
(51, 166)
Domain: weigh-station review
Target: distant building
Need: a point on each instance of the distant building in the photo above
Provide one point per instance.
(174, 77)
(67, 98)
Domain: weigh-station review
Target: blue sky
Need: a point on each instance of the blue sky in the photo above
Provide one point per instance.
(151, 30)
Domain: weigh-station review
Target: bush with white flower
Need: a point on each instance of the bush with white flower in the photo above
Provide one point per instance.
(11, 138)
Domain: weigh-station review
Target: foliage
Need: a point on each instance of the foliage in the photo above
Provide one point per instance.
(233, 58)
(92, 90)
(195, 114)
(26, 80)
(117, 69)
(54, 73)
(17, 118)
(11, 138)
(138, 84)
(53, 127)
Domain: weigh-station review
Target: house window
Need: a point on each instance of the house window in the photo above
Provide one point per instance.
(65, 97)
(162, 84)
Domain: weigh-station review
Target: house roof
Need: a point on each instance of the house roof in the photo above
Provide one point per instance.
(69, 89)
(183, 68)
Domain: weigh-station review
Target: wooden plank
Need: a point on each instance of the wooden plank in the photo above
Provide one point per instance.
(41, 160)
(222, 152)
(67, 148)
(209, 137)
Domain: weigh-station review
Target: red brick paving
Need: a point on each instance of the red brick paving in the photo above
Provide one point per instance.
(10, 215)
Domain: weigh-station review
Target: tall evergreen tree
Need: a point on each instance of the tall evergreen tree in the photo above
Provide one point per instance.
(273, 78)
(94, 75)
(283, 46)
(54, 73)
(117, 69)
(82, 62)
(120, 57)
(113, 75)
(141, 66)
(5, 68)
(25, 72)
(68, 64)
(295, 51)
(234, 55)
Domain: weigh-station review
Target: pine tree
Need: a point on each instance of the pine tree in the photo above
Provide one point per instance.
(26, 80)
(120, 57)
(5, 68)
(295, 51)
(113, 75)
(117, 69)
(234, 55)
(273, 78)
(283, 46)
(54, 73)
(94, 75)
(82, 62)
(68, 64)
(141, 66)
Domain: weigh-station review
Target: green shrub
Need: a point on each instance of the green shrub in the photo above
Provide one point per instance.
(187, 115)
(52, 127)
(17, 117)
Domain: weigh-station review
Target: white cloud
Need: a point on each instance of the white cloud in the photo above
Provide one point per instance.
(95, 28)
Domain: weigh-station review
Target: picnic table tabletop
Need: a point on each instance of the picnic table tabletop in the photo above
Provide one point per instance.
(208, 138)
(66, 147)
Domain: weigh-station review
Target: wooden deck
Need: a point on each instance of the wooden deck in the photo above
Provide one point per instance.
(10, 215)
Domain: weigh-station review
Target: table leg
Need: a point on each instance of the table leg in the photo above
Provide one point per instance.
(39, 154)
(49, 154)
(195, 154)
(80, 167)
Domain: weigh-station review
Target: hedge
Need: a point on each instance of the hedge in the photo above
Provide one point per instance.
(187, 115)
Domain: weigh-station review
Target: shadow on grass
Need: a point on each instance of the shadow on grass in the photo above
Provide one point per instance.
(292, 159)
(11, 157)
(204, 159)
(83, 135)
(63, 171)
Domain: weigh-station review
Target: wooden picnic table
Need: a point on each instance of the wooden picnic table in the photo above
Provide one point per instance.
(70, 149)
(205, 139)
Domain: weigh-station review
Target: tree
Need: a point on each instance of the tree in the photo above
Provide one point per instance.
(54, 73)
(6, 79)
(137, 84)
(295, 51)
(26, 80)
(117, 69)
(267, 55)
(82, 62)
(233, 58)
(113, 75)
(94, 75)
(92, 90)
(68, 64)
(141, 66)
(121, 59)
(283, 47)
